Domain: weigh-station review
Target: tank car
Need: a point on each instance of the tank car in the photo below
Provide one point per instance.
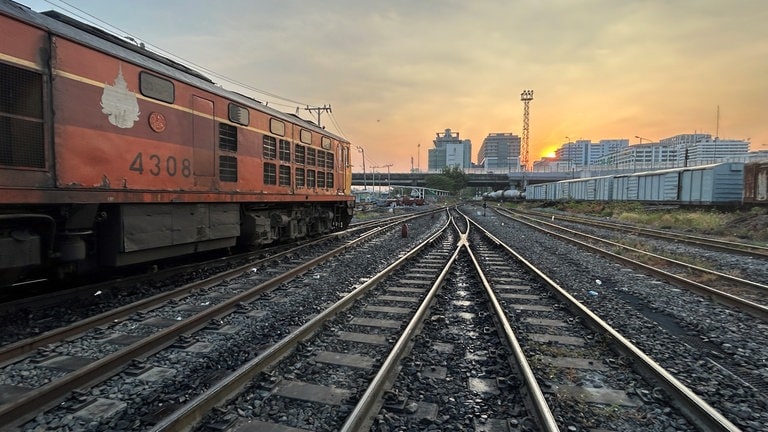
(112, 155)
(505, 195)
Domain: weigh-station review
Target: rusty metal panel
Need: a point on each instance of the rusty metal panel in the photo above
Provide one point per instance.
(756, 182)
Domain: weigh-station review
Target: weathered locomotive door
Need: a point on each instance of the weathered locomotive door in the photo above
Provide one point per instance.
(204, 138)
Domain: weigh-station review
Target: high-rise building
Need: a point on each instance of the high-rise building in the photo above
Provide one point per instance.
(700, 149)
(449, 151)
(500, 152)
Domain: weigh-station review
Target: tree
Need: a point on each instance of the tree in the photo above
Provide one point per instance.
(458, 176)
(452, 179)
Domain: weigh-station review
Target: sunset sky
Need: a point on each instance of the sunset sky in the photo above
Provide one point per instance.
(397, 72)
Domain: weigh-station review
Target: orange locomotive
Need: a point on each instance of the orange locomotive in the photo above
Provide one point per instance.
(112, 155)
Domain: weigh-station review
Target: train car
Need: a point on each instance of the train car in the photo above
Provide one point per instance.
(536, 192)
(715, 184)
(505, 195)
(700, 185)
(655, 186)
(587, 189)
(112, 155)
(719, 184)
(756, 183)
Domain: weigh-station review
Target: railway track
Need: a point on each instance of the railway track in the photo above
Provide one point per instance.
(710, 346)
(748, 295)
(735, 247)
(123, 335)
(108, 300)
(375, 353)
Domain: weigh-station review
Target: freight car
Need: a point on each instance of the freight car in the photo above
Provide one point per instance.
(756, 183)
(715, 184)
(112, 155)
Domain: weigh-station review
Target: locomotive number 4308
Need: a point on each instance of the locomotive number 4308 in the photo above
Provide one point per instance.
(157, 165)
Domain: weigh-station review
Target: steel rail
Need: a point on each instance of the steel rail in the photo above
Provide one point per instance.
(539, 406)
(756, 285)
(188, 415)
(724, 245)
(368, 406)
(13, 350)
(30, 403)
(757, 310)
(695, 409)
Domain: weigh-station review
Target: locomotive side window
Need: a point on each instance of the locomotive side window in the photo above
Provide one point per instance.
(238, 114)
(228, 168)
(21, 118)
(325, 143)
(154, 87)
(285, 175)
(270, 147)
(311, 156)
(321, 159)
(299, 179)
(305, 136)
(321, 180)
(299, 154)
(227, 137)
(310, 178)
(270, 173)
(285, 150)
(277, 127)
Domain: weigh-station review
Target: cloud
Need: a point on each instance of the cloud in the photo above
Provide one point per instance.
(397, 72)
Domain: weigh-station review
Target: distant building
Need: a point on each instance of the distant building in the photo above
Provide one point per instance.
(640, 157)
(701, 149)
(583, 153)
(551, 164)
(500, 152)
(449, 151)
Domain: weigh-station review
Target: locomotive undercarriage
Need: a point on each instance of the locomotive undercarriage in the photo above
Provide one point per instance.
(78, 239)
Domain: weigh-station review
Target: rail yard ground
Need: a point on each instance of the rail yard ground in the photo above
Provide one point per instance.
(751, 225)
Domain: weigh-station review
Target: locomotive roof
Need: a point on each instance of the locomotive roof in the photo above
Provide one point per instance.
(70, 28)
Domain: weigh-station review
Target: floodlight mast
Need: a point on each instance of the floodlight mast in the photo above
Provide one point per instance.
(526, 96)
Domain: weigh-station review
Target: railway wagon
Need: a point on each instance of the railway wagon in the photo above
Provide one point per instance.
(537, 192)
(624, 188)
(715, 184)
(706, 184)
(756, 183)
(588, 189)
(112, 155)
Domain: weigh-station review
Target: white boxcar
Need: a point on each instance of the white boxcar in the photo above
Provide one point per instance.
(712, 184)
(625, 187)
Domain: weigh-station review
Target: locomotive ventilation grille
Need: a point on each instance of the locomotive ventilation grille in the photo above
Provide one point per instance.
(228, 142)
(21, 118)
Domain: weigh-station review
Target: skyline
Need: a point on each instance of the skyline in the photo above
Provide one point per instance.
(396, 73)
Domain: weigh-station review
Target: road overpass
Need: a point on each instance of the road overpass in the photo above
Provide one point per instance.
(480, 180)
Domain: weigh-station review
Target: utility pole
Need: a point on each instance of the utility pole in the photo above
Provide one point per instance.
(389, 186)
(319, 110)
(362, 150)
(418, 158)
(526, 96)
(373, 172)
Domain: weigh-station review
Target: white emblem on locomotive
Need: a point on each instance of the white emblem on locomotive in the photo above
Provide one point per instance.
(119, 103)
